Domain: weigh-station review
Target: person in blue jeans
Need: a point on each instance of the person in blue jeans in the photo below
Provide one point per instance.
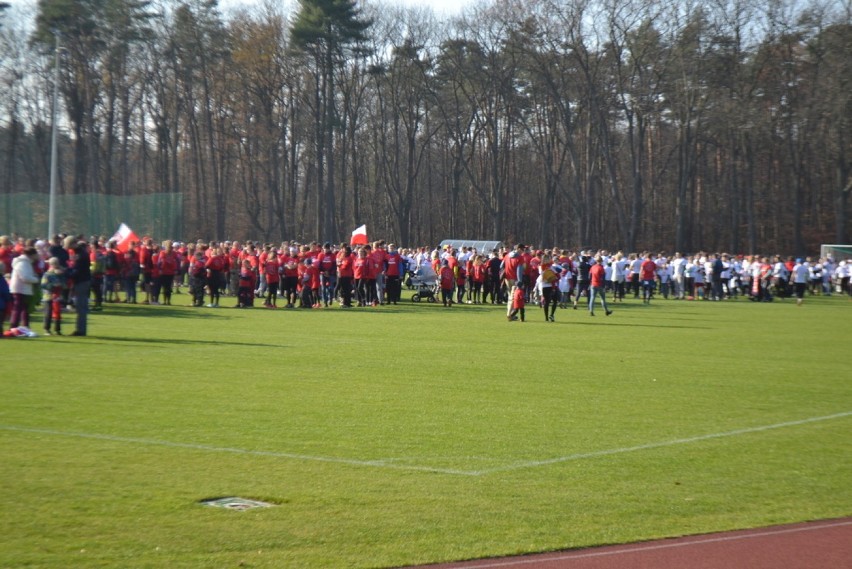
(597, 279)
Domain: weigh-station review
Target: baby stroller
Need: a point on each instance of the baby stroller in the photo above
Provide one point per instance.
(424, 282)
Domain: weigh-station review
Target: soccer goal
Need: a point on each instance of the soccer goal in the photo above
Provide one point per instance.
(836, 252)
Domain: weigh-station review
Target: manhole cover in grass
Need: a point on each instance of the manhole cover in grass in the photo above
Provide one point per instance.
(235, 503)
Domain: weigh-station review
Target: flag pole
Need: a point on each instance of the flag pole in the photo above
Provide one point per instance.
(54, 150)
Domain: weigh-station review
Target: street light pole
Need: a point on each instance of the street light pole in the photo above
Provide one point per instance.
(54, 150)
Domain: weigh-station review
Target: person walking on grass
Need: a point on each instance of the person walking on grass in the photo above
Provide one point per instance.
(597, 279)
(582, 288)
(549, 289)
(516, 304)
(513, 271)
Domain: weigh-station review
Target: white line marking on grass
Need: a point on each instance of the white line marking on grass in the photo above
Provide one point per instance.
(697, 540)
(192, 446)
(388, 463)
(662, 444)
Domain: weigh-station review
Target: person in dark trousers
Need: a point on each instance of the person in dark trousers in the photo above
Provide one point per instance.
(582, 289)
(81, 275)
(718, 268)
(58, 250)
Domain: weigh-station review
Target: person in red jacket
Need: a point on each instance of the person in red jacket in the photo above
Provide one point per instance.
(446, 278)
(461, 281)
(513, 270)
(197, 277)
(271, 272)
(393, 274)
(168, 264)
(478, 274)
(146, 265)
(371, 274)
(517, 301)
(360, 271)
(647, 276)
(345, 275)
(326, 263)
(308, 274)
(112, 271)
(215, 275)
(289, 276)
(7, 252)
(597, 278)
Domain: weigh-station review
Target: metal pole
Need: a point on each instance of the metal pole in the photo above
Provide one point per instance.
(54, 151)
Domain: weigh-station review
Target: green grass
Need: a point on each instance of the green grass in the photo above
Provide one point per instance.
(414, 434)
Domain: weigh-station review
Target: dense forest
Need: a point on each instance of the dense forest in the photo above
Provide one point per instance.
(627, 124)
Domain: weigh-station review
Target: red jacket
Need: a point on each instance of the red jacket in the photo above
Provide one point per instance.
(344, 266)
(168, 263)
(597, 275)
(447, 277)
(394, 264)
(648, 270)
(271, 271)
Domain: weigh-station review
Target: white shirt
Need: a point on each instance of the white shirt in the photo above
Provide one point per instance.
(618, 268)
(636, 266)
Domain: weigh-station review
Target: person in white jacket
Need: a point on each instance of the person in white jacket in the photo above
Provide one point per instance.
(21, 287)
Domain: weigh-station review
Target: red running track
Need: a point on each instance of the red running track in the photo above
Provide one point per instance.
(824, 544)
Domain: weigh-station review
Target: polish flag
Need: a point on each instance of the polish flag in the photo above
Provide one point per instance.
(359, 236)
(124, 237)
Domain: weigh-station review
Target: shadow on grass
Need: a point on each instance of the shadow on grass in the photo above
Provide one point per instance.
(162, 311)
(92, 338)
(612, 322)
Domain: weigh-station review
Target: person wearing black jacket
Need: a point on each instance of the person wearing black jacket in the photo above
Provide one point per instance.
(718, 269)
(81, 275)
(57, 250)
(582, 278)
(492, 279)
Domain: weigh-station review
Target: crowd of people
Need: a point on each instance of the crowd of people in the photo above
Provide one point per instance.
(73, 273)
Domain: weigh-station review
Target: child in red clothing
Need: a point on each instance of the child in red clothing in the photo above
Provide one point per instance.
(518, 304)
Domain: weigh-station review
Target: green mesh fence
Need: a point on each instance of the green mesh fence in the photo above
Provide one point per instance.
(836, 252)
(158, 215)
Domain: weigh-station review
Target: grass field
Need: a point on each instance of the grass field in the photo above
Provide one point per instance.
(412, 434)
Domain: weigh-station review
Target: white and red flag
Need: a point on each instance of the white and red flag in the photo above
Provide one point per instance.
(124, 237)
(359, 236)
